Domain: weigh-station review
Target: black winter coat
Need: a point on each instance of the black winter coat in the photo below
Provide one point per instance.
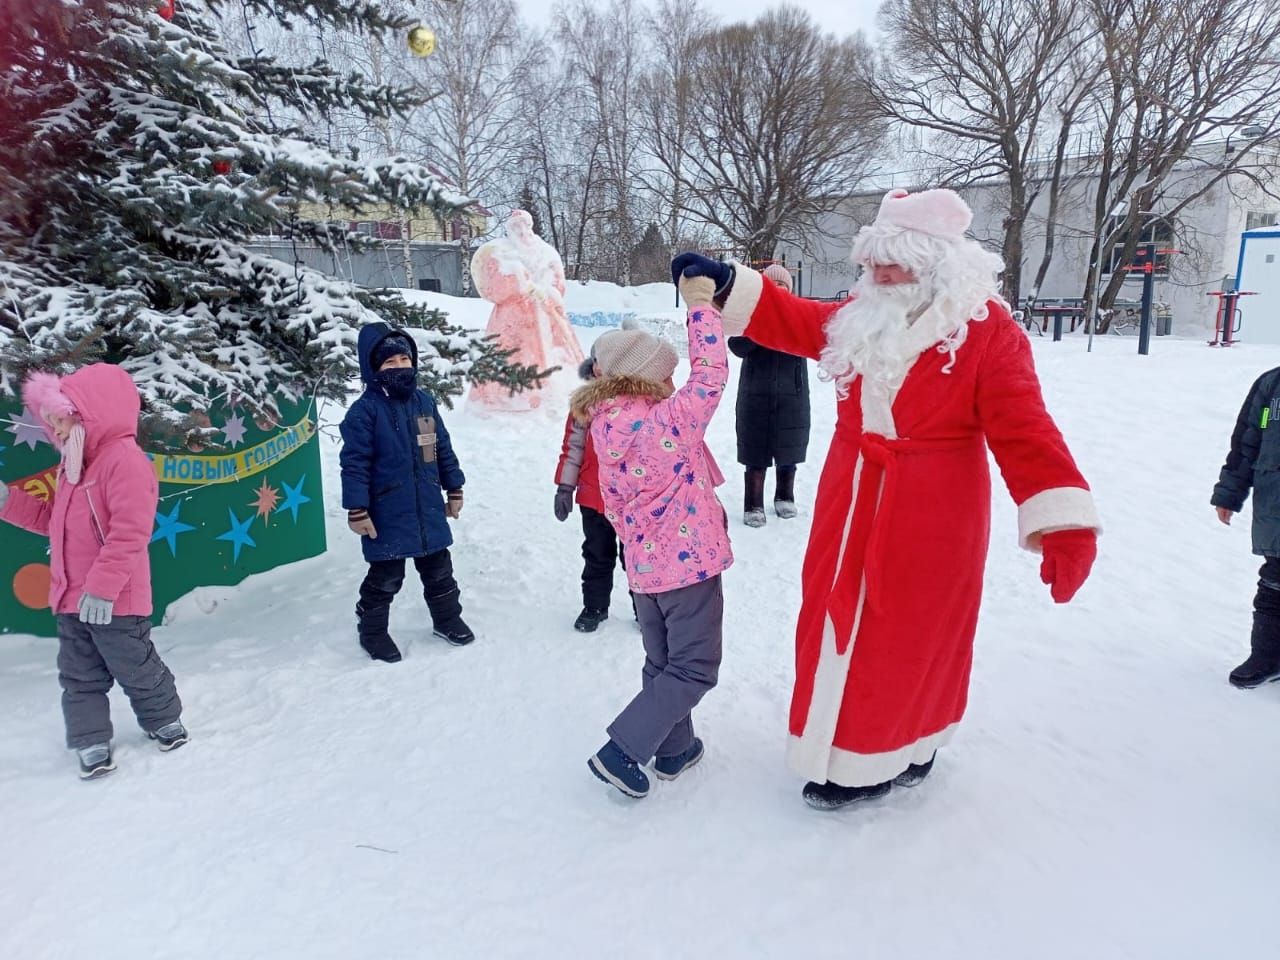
(773, 405)
(1254, 462)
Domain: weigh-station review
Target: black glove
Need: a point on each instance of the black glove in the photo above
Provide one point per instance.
(564, 501)
(696, 265)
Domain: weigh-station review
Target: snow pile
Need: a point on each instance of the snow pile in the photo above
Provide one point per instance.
(1108, 796)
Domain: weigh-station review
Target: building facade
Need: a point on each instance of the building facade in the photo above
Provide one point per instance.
(1206, 233)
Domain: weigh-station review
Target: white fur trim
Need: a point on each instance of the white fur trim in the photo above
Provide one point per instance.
(1058, 508)
(850, 769)
(742, 301)
(877, 408)
(810, 752)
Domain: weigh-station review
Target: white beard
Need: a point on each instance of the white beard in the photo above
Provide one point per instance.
(868, 337)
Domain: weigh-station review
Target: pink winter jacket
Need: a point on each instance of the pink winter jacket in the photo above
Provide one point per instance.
(99, 529)
(657, 476)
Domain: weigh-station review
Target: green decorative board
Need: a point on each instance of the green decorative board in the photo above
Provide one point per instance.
(251, 505)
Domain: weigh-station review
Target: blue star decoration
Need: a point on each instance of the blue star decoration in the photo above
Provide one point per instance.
(168, 527)
(238, 535)
(293, 497)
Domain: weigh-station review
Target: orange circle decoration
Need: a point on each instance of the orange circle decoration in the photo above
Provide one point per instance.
(31, 586)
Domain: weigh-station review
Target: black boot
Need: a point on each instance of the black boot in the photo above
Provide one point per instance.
(1263, 664)
(590, 618)
(832, 796)
(371, 624)
(446, 618)
(784, 492)
(915, 773)
(753, 498)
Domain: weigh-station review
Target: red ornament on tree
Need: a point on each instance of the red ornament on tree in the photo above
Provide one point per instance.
(166, 9)
(222, 167)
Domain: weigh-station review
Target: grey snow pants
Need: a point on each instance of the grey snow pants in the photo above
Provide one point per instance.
(682, 631)
(91, 658)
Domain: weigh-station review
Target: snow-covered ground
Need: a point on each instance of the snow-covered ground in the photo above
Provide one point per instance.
(1108, 796)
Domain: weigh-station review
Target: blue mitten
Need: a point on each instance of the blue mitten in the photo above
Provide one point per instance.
(691, 265)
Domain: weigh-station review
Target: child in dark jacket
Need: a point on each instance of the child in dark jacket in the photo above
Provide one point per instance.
(396, 461)
(578, 477)
(1254, 463)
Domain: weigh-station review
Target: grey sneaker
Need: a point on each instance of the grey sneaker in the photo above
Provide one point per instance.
(785, 509)
(95, 761)
(754, 518)
(170, 737)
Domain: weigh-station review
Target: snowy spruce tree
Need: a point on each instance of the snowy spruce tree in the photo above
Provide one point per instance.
(137, 158)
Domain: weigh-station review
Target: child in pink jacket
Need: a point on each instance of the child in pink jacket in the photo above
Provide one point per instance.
(658, 481)
(99, 525)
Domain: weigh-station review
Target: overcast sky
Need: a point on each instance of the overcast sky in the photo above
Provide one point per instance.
(837, 16)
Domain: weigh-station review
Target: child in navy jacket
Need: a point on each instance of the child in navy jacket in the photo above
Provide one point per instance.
(397, 462)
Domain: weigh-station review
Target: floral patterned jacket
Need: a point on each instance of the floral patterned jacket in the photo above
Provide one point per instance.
(657, 475)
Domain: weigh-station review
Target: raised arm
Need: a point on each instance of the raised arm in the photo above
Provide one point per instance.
(25, 511)
(769, 315)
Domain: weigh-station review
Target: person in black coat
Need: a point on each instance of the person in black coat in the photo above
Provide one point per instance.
(397, 462)
(773, 418)
(1253, 463)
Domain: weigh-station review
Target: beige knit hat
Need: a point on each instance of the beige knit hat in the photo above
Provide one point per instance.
(635, 353)
(778, 274)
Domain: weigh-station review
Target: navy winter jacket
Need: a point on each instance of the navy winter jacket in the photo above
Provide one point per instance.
(382, 466)
(1254, 462)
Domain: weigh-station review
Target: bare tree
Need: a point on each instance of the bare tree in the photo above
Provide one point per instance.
(563, 157)
(779, 130)
(995, 81)
(667, 94)
(470, 128)
(606, 57)
(1179, 78)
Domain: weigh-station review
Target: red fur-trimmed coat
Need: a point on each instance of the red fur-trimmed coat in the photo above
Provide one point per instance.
(892, 577)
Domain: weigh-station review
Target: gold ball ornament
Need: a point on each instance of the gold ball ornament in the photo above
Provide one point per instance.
(422, 41)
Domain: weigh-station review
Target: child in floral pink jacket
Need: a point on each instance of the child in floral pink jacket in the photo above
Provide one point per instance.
(658, 481)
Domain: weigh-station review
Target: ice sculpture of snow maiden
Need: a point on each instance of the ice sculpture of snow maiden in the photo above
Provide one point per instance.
(523, 277)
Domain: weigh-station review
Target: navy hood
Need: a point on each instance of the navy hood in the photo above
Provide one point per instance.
(370, 336)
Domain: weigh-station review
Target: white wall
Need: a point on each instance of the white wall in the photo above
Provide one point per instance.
(1207, 232)
(1260, 272)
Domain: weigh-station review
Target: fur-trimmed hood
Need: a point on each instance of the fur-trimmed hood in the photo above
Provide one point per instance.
(591, 395)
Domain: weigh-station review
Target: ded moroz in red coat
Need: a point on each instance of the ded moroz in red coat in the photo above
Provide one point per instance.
(892, 576)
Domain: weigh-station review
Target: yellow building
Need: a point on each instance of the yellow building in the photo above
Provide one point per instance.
(386, 223)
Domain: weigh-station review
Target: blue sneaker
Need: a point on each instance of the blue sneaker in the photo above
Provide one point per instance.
(668, 768)
(614, 767)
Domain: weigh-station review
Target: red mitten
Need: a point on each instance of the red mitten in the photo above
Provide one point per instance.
(1068, 558)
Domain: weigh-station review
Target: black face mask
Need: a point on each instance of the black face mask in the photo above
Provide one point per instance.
(398, 383)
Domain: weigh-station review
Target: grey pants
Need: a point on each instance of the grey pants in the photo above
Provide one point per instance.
(90, 658)
(682, 632)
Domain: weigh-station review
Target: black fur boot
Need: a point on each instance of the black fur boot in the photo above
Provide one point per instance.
(753, 498)
(371, 625)
(784, 492)
(1263, 664)
(446, 618)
